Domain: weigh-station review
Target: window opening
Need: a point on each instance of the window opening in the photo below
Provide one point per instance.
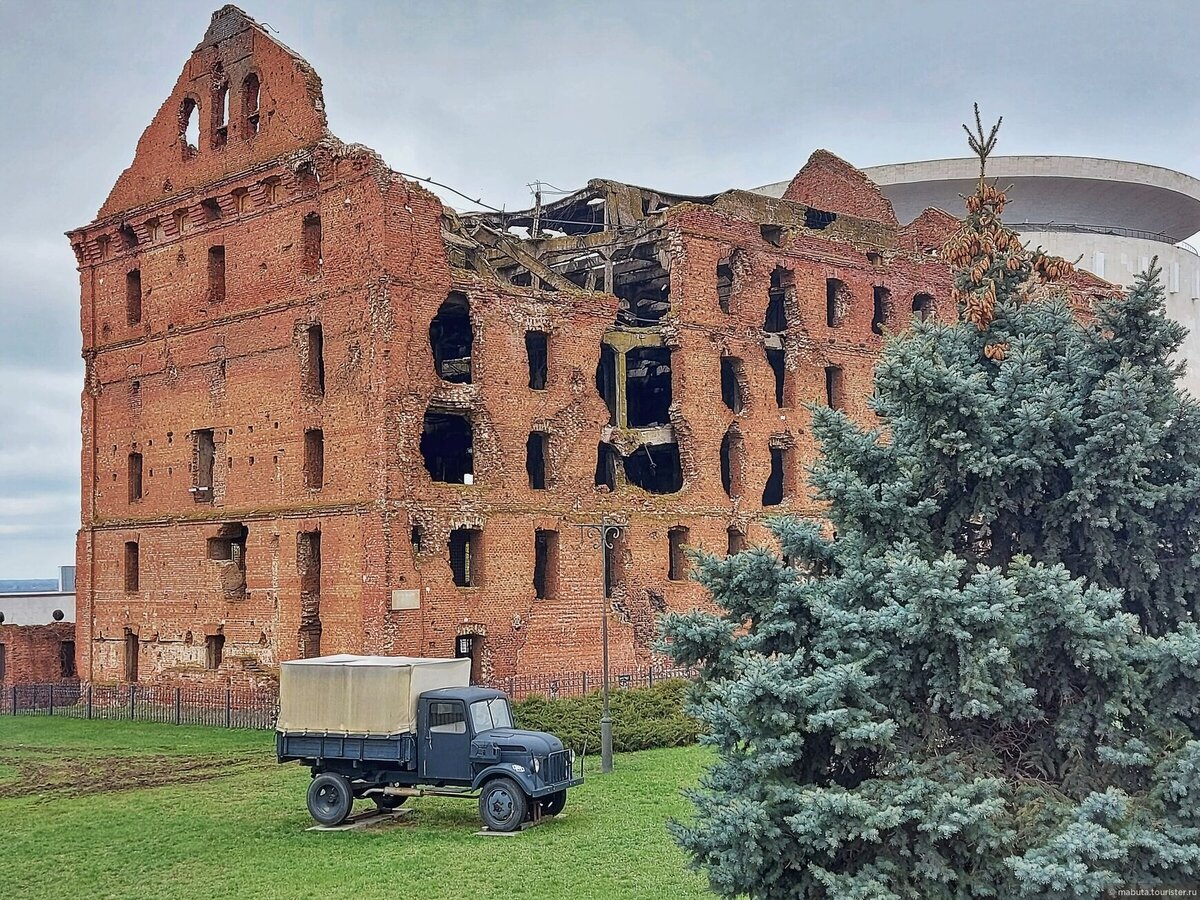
(535, 459)
(206, 453)
(250, 101)
(216, 274)
(211, 208)
(66, 659)
(772, 234)
(229, 549)
(132, 651)
(922, 307)
(417, 538)
(189, 127)
(446, 445)
(833, 387)
(133, 296)
(214, 650)
(545, 564)
(818, 219)
(776, 359)
(313, 361)
(132, 566)
(735, 540)
(731, 462)
(135, 477)
(781, 281)
(641, 284)
(451, 338)
(837, 302)
(466, 560)
(732, 378)
(314, 459)
(308, 567)
(606, 380)
(129, 238)
(648, 386)
(537, 352)
(724, 283)
(882, 309)
(311, 244)
(614, 564)
(777, 481)
(655, 468)
(220, 133)
(606, 466)
(677, 566)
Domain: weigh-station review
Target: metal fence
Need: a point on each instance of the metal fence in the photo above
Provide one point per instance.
(181, 705)
(257, 708)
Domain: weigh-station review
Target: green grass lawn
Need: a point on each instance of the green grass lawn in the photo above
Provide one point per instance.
(120, 809)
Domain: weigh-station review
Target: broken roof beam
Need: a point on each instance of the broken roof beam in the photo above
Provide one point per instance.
(489, 237)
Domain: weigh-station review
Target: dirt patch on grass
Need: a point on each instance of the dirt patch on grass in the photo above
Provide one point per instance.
(79, 775)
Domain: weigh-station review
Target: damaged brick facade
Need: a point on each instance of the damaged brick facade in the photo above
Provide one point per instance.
(323, 413)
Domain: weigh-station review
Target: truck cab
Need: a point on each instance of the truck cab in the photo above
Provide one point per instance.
(452, 740)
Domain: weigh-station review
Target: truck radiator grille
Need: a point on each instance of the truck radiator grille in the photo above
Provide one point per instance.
(558, 767)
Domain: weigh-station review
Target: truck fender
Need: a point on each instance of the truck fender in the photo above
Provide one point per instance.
(504, 770)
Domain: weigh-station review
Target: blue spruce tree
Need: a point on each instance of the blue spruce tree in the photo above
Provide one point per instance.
(988, 684)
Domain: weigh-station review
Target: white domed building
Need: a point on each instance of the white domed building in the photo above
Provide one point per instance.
(1111, 216)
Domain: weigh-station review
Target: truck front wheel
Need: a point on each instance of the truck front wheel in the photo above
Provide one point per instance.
(503, 805)
(330, 799)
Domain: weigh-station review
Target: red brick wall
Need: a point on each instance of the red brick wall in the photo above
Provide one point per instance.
(33, 653)
(830, 183)
(236, 366)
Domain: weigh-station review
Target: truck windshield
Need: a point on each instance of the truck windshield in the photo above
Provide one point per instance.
(488, 714)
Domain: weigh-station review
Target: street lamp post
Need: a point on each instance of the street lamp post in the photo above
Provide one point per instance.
(606, 533)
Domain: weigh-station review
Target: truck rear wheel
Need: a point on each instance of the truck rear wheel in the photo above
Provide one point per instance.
(554, 803)
(503, 805)
(330, 799)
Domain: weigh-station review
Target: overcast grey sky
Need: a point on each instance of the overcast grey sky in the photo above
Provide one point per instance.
(687, 96)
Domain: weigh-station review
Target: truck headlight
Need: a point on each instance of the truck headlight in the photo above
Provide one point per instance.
(572, 757)
(537, 764)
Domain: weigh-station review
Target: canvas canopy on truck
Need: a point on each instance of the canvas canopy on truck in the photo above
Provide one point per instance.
(361, 694)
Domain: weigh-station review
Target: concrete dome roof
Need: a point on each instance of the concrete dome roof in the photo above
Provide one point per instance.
(1055, 190)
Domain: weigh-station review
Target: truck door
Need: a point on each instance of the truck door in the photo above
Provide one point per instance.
(447, 745)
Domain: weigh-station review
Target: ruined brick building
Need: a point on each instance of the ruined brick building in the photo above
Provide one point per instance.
(323, 412)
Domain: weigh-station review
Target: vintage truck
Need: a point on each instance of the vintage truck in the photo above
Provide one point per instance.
(386, 728)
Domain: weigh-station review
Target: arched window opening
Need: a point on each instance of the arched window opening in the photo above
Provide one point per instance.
(189, 127)
(250, 97)
(129, 238)
(220, 114)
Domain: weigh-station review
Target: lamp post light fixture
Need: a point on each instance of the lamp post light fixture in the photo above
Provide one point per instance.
(604, 534)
